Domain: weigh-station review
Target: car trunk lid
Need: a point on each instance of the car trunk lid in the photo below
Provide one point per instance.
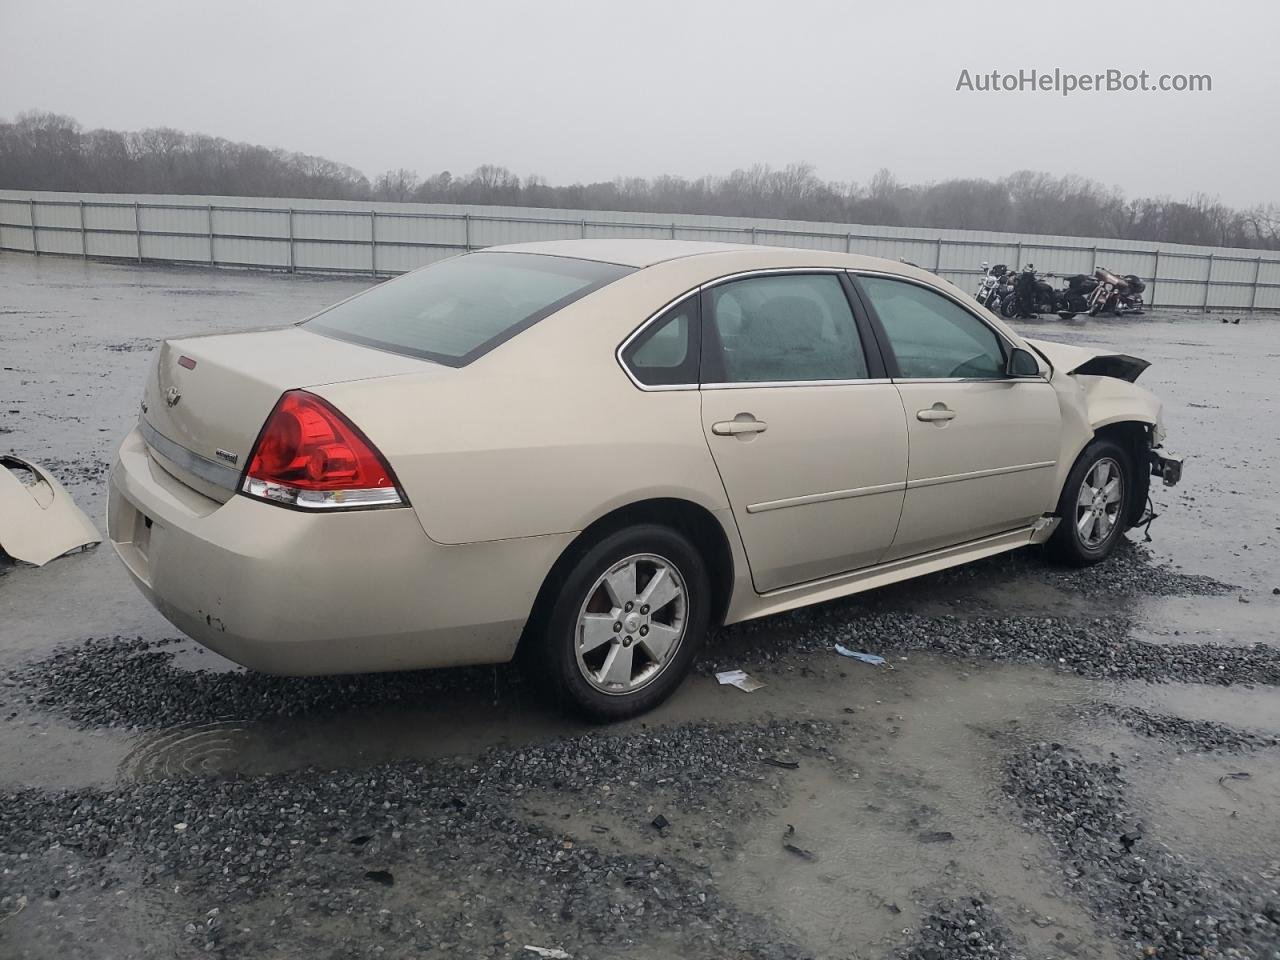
(207, 397)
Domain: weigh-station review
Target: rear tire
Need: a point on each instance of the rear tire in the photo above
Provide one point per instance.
(1095, 505)
(607, 653)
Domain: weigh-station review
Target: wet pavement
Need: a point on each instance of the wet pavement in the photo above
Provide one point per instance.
(1050, 764)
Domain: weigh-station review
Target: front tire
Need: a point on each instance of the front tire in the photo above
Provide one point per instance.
(629, 619)
(1094, 506)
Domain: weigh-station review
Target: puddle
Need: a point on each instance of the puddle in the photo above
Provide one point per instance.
(1220, 620)
(1190, 803)
(1251, 708)
(924, 758)
(200, 750)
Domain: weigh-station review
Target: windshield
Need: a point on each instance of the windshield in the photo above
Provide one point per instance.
(459, 309)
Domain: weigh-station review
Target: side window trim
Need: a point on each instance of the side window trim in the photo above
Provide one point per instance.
(894, 372)
(695, 343)
(713, 375)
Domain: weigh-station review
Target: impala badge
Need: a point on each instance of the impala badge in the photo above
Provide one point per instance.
(227, 455)
(172, 396)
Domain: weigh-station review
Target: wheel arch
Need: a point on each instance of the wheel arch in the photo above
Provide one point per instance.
(692, 520)
(1134, 436)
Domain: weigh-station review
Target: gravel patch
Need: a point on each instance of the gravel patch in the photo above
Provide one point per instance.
(89, 470)
(440, 855)
(1159, 903)
(133, 683)
(1096, 648)
(1206, 735)
(964, 929)
(1131, 571)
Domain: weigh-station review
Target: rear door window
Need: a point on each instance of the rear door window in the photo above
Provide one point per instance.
(782, 328)
(459, 309)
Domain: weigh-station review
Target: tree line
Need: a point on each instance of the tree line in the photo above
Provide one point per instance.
(46, 151)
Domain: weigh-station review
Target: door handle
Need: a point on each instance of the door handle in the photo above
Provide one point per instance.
(938, 413)
(733, 428)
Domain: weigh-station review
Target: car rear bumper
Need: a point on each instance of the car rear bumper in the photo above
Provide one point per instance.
(289, 592)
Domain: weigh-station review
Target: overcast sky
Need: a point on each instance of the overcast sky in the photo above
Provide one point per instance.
(584, 91)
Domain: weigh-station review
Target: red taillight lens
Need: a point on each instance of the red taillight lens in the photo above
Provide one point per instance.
(310, 455)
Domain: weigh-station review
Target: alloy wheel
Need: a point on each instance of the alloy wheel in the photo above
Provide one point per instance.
(1098, 503)
(631, 624)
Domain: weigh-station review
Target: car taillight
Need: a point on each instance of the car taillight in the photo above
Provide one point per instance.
(309, 455)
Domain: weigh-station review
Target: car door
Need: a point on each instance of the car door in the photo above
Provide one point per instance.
(808, 435)
(983, 445)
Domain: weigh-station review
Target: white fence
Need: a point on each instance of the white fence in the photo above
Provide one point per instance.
(382, 239)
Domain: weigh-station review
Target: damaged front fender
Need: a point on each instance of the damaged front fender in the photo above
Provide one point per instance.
(1096, 390)
(38, 519)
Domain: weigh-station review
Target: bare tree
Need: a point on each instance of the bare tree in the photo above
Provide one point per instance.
(46, 151)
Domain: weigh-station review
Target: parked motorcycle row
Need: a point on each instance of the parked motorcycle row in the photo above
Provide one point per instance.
(1025, 293)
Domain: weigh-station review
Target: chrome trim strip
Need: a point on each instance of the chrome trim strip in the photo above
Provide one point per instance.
(769, 271)
(979, 474)
(617, 354)
(824, 497)
(207, 470)
(745, 384)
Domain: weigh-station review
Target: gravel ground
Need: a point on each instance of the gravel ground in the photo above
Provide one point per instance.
(133, 683)
(331, 841)
(1193, 734)
(1131, 571)
(965, 929)
(1160, 904)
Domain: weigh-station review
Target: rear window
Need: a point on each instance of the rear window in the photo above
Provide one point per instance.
(459, 309)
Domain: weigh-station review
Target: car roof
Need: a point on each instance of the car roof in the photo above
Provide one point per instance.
(626, 252)
(646, 253)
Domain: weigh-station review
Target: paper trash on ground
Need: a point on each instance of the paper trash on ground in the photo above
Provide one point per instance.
(740, 679)
(872, 658)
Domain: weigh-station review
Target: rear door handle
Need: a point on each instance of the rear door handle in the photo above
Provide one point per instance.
(936, 414)
(733, 428)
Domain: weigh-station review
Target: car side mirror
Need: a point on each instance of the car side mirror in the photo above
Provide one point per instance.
(1022, 363)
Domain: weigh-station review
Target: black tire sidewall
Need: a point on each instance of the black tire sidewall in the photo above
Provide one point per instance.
(1066, 540)
(560, 665)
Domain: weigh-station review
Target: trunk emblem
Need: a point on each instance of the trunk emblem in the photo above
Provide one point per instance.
(227, 455)
(186, 362)
(172, 396)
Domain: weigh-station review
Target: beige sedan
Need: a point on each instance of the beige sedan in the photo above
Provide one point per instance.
(592, 452)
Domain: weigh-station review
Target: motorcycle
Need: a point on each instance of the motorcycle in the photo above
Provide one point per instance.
(989, 287)
(1074, 298)
(1119, 295)
(1030, 295)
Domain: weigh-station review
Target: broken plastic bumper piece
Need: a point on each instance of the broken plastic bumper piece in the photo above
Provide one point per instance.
(1167, 468)
(38, 520)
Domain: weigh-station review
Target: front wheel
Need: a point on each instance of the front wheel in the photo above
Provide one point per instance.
(627, 623)
(1094, 505)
